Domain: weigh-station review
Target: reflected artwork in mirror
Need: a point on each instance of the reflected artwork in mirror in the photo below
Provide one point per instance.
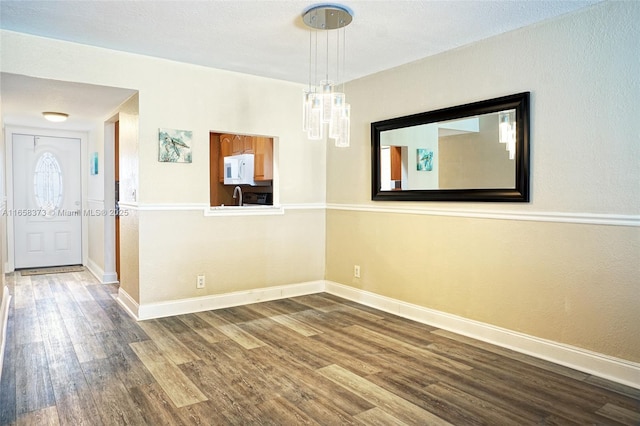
(472, 152)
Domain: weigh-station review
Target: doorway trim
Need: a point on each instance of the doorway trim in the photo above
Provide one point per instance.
(109, 275)
(8, 134)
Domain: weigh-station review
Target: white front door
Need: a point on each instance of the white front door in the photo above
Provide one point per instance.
(46, 201)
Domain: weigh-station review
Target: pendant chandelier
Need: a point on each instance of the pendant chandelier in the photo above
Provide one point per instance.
(325, 111)
(507, 131)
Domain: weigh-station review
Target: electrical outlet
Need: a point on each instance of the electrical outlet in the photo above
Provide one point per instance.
(356, 271)
(200, 282)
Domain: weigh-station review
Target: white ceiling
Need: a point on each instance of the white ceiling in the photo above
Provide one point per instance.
(268, 38)
(24, 99)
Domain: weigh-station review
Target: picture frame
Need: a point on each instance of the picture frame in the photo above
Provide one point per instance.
(174, 146)
(93, 164)
(424, 160)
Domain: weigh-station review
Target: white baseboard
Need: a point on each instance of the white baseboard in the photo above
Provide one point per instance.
(216, 301)
(103, 277)
(95, 270)
(128, 303)
(4, 317)
(110, 278)
(614, 369)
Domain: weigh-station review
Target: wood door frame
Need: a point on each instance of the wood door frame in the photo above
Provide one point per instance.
(84, 171)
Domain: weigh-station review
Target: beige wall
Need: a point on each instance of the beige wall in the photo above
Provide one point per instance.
(101, 228)
(182, 96)
(128, 159)
(410, 139)
(234, 253)
(94, 200)
(571, 283)
(475, 159)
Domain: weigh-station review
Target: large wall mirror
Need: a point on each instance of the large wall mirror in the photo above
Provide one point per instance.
(472, 152)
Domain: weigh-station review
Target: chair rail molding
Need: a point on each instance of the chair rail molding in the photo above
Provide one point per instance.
(535, 216)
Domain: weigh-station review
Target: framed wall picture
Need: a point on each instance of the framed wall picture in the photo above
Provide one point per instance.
(424, 160)
(174, 146)
(94, 163)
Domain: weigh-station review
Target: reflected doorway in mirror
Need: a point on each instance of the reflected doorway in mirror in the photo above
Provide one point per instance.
(474, 152)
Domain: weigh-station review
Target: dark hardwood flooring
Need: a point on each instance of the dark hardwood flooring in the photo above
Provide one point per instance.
(74, 357)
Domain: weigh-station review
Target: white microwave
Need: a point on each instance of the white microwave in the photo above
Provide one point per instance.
(238, 169)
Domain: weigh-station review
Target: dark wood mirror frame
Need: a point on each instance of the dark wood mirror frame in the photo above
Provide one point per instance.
(519, 193)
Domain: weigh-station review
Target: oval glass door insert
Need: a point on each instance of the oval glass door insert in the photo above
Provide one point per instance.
(47, 182)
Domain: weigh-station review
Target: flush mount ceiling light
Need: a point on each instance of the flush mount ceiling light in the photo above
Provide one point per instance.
(56, 117)
(322, 105)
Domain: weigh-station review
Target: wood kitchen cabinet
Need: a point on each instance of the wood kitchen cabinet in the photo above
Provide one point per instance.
(237, 144)
(263, 151)
(261, 147)
(223, 145)
(226, 149)
(248, 142)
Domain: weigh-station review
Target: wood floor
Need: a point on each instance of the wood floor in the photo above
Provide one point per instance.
(74, 357)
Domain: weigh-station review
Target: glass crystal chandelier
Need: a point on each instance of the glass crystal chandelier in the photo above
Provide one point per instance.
(507, 131)
(325, 111)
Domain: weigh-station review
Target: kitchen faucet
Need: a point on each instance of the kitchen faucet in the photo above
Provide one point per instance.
(237, 190)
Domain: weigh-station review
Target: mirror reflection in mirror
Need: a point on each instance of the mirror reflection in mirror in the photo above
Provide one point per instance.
(472, 152)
